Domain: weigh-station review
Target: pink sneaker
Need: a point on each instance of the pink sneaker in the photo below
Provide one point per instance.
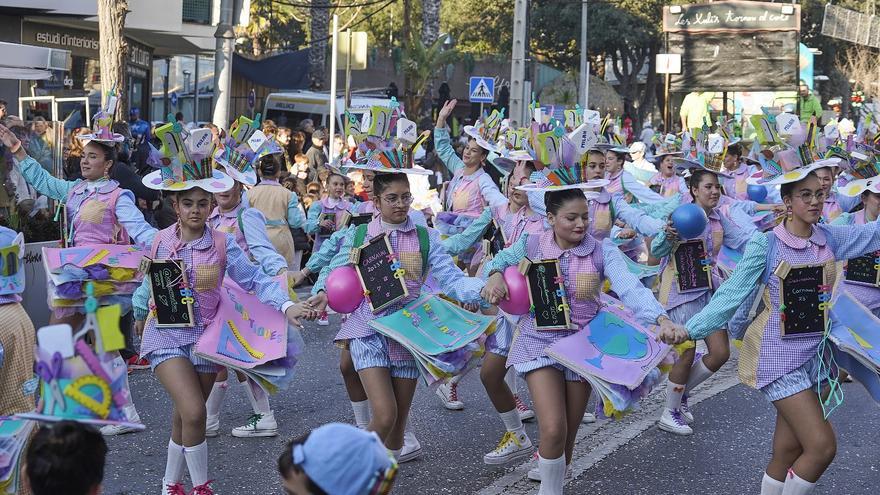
(203, 489)
(175, 489)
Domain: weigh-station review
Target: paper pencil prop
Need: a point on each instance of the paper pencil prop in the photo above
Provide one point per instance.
(79, 382)
(251, 337)
(444, 339)
(855, 333)
(14, 435)
(112, 269)
(615, 354)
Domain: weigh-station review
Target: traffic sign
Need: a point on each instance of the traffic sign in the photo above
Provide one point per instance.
(174, 99)
(252, 99)
(482, 90)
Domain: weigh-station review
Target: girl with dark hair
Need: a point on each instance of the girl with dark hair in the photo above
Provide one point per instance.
(280, 207)
(720, 231)
(789, 370)
(622, 181)
(560, 395)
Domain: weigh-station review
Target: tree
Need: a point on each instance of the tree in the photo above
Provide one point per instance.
(273, 26)
(318, 37)
(430, 21)
(112, 51)
(420, 63)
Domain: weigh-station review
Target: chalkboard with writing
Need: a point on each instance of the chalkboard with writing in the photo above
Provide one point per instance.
(380, 273)
(863, 270)
(690, 262)
(493, 239)
(547, 295)
(803, 294)
(172, 297)
(322, 230)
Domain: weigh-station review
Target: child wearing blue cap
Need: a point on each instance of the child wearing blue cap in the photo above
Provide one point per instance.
(337, 459)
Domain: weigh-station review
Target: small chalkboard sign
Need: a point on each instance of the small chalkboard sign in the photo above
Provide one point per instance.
(363, 218)
(493, 239)
(322, 230)
(863, 270)
(172, 297)
(804, 296)
(547, 295)
(380, 273)
(693, 269)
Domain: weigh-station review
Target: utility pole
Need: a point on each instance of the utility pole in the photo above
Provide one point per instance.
(518, 63)
(223, 65)
(584, 86)
(196, 92)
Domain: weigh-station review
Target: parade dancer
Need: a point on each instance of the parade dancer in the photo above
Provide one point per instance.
(280, 206)
(559, 395)
(207, 255)
(720, 231)
(17, 334)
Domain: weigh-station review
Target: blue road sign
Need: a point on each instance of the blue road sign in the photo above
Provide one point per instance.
(482, 90)
(174, 99)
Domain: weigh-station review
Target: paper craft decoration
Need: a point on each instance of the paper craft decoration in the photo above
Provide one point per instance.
(864, 270)
(693, 269)
(12, 275)
(89, 386)
(444, 339)
(172, 296)
(855, 333)
(547, 295)
(112, 269)
(615, 354)
(322, 230)
(346, 219)
(251, 337)
(14, 435)
(380, 273)
(803, 295)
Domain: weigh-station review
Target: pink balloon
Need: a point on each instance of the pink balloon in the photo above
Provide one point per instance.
(344, 291)
(517, 292)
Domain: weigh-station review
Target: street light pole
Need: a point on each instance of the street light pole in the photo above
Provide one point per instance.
(223, 65)
(584, 85)
(518, 63)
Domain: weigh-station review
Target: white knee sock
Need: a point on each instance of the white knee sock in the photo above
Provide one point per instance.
(771, 486)
(197, 462)
(674, 391)
(258, 397)
(361, 413)
(174, 464)
(511, 379)
(699, 374)
(215, 399)
(511, 420)
(795, 485)
(396, 453)
(552, 475)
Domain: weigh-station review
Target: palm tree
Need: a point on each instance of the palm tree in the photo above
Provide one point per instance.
(320, 29)
(420, 63)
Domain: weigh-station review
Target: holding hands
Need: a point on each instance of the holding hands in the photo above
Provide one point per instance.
(495, 289)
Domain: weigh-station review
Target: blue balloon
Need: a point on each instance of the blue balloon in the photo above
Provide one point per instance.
(757, 193)
(689, 220)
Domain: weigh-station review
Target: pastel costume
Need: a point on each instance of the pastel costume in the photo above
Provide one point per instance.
(248, 227)
(369, 349)
(206, 259)
(583, 269)
(318, 208)
(735, 186)
(281, 209)
(17, 334)
(867, 295)
(669, 186)
(98, 212)
(465, 195)
(779, 367)
(835, 204)
(720, 231)
(624, 183)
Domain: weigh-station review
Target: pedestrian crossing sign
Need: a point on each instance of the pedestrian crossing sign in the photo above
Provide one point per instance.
(482, 90)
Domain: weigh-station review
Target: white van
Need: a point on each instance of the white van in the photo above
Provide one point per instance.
(289, 108)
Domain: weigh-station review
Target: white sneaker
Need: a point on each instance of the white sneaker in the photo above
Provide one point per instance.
(448, 393)
(323, 322)
(588, 418)
(112, 430)
(513, 446)
(535, 473)
(686, 410)
(673, 422)
(411, 450)
(525, 414)
(212, 425)
(259, 425)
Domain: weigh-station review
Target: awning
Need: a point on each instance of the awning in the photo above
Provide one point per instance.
(285, 71)
(31, 62)
(24, 74)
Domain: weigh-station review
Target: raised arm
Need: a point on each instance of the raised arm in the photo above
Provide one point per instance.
(852, 241)
(642, 192)
(35, 175)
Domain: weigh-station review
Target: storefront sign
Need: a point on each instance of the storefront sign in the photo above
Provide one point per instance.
(81, 42)
(732, 16)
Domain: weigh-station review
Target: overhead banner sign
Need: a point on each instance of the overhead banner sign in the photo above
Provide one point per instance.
(852, 26)
(732, 16)
(769, 61)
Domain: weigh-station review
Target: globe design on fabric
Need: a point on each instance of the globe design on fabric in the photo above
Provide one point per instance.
(624, 342)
